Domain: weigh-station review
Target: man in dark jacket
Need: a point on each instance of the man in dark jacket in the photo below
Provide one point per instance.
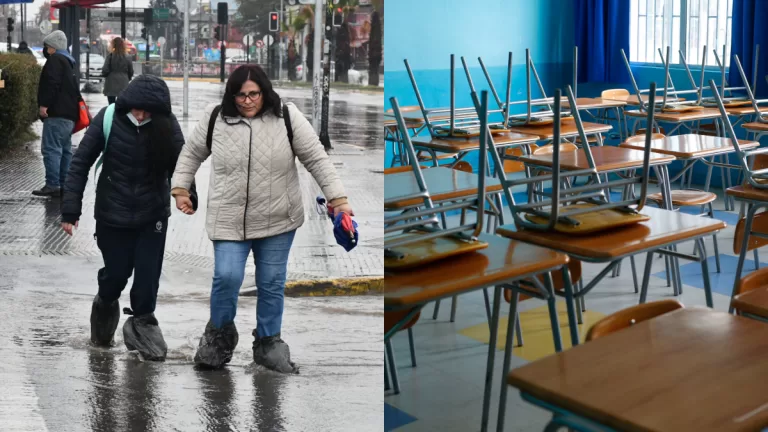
(58, 98)
(131, 211)
(24, 49)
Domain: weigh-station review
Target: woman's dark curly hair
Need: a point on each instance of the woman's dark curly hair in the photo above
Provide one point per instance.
(250, 72)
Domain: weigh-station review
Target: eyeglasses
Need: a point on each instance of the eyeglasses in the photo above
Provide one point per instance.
(254, 96)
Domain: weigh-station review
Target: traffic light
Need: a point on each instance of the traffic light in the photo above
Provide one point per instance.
(217, 33)
(223, 14)
(144, 34)
(147, 17)
(10, 24)
(274, 21)
(338, 17)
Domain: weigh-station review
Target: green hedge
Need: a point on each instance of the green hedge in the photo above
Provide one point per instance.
(18, 100)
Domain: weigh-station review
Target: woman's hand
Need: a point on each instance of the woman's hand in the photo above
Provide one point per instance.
(343, 208)
(68, 227)
(184, 204)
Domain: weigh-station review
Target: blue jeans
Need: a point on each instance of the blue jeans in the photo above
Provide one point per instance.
(57, 150)
(271, 257)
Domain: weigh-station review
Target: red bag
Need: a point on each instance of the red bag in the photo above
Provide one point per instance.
(84, 119)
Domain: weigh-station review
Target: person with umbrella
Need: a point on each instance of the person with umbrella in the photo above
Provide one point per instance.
(254, 204)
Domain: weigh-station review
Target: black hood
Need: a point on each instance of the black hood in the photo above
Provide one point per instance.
(148, 93)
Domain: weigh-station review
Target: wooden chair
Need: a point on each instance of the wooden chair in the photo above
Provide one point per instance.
(685, 198)
(391, 319)
(630, 316)
(751, 299)
(754, 192)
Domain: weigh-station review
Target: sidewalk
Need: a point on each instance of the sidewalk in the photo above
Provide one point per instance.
(30, 225)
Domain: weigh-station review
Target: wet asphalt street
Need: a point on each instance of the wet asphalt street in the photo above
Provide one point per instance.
(52, 380)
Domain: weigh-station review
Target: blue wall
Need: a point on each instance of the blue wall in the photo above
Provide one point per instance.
(427, 32)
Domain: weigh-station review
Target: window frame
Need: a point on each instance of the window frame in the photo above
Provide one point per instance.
(684, 17)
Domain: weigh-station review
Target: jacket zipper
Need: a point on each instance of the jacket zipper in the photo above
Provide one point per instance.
(248, 178)
(138, 143)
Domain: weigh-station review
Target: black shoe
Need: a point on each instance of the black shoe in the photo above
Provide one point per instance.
(47, 191)
(104, 320)
(273, 353)
(142, 333)
(216, 346)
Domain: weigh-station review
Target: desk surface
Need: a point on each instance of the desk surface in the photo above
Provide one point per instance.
(607, 158)
(689, 370)
(503, 260)
(691, 146)
(456, 145)
(443, 184)
(664, 228)
(567, 129)
(679, 117)
(754, 302)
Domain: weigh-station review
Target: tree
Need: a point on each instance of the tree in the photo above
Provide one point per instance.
(253, 15)
(43, 13)
(375, 54)
(343, 53)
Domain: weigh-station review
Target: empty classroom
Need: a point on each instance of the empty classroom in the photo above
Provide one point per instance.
(575, 215)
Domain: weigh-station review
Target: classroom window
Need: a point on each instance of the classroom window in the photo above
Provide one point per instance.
(686, 25)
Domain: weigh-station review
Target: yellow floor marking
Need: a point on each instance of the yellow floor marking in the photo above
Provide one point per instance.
(537, 333)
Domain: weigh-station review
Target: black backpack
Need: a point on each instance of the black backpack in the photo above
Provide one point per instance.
(217, 111)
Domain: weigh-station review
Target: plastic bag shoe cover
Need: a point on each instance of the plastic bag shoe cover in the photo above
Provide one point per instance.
(104, 320)
(273, 353)
(142, 333)
(216, 346)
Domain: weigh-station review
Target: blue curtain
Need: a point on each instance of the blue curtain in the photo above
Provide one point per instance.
(750, 29)
(602, 30)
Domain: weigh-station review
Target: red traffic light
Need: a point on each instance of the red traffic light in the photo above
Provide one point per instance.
(338, 10)
(273, 16)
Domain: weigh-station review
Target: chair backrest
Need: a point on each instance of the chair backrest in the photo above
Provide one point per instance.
(512, 166)
(630, 316)
(614, 93)
(463, 166)
(750, 91)
(574, 268)
(756, 279)
(392, 318)
(759, 224)
(549, 149)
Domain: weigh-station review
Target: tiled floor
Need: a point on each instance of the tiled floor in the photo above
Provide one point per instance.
(444, 392)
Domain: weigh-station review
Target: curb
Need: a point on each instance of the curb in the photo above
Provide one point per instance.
(329, 287)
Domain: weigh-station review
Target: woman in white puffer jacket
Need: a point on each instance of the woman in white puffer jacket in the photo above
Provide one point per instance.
(254, 204)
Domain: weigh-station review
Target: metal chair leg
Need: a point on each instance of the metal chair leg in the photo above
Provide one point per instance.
(634, 273)
(518, 331)
(487, 305)
(393, 368)
(412, 346)
(437, 310)
(757, 260)
(386, 374)
(453, 308)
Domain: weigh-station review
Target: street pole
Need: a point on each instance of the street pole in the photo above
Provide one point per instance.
(280, 41)
(324, 138)
(24, 20)
(316, 77)
(122, 19)
(223, 50)
(185, 112)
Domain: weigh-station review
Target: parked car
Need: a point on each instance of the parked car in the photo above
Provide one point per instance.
(96, 62)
